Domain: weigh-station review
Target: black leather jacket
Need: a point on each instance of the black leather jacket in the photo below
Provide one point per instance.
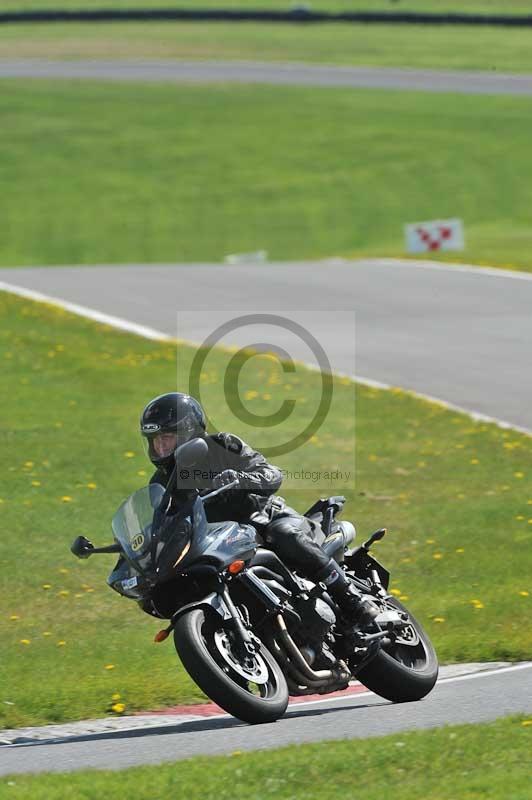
(259, 479)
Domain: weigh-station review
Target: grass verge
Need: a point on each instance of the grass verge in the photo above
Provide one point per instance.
(100, 173)
(456, 496)
(477, 762)
(423, 47)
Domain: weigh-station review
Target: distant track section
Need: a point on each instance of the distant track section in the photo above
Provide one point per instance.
(277, 74)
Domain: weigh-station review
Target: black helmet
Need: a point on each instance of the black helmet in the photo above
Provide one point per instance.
(169, 421)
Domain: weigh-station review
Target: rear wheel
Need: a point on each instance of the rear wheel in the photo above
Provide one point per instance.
(406, 670)
(252, 688)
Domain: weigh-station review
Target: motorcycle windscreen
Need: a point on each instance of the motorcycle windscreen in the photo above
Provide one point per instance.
(132, 524)
(173, 541)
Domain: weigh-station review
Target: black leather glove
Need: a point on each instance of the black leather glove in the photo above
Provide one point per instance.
(225, 477)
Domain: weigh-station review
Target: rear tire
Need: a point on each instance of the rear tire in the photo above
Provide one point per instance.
(196, 645)
(403, 673)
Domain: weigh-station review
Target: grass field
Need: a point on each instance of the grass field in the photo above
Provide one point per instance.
(434, 6)
(431, 47)
(456, 496)
(162, 173)
(477, 762)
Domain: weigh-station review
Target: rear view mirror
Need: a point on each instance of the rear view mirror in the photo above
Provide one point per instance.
(191, 453)
(81, 547)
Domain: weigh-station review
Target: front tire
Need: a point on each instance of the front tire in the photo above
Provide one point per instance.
(403, 672)
(201, 644)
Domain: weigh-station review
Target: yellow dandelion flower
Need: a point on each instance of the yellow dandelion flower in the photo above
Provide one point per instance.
(529, 502)
(459, 550)
(396, 592)
(64, 570)
(251, 394)
(437, 556)
(47, 586)
(118, 708)
(439, 619)
(25, 641)
(91, 485)
(46, 633)
(109, 666)
(474, 461)
(403, 597)
(63, 593)
(129, 454)
(519, 474)
(14, 617)
(61, 643)
(524, 593)
(66, 499)
(529, 521)
(430, 541)
(142, 473)
(115, 697)
(78, 594)
(29, 464)
(35, 483)
(526, 722)
(478, 605)
(519, 516)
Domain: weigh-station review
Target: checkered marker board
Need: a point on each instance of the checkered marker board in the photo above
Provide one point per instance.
(440, 234)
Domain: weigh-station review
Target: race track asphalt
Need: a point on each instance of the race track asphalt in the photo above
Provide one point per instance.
(467, 699)
(280, 74)
(463, 336)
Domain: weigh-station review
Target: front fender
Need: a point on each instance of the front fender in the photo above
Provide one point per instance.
(213, 602)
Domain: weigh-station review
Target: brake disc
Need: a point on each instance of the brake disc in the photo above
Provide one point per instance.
(254, 670)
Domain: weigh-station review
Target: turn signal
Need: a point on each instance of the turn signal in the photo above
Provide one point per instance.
(161, 635)
(236, 567)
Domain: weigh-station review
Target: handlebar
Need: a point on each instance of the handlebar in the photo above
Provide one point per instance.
(216, 492)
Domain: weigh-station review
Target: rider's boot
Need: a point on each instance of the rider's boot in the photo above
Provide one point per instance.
(358, 608)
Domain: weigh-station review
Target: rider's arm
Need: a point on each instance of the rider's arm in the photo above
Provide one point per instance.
(255, 474)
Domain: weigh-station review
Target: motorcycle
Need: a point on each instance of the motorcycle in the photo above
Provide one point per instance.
(249, 630)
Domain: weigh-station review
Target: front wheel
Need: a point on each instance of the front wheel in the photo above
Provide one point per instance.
(252, 688)
(406, 670)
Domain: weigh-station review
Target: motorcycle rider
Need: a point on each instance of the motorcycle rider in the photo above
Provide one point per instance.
(172, 419)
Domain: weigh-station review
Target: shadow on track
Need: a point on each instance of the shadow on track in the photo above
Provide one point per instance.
(197, 726)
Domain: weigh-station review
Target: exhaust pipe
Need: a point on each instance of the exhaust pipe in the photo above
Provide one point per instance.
(309, 675)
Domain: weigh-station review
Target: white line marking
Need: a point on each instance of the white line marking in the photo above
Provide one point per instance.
(494, 272)
(90, 313)
(452, 679)
(155, 335)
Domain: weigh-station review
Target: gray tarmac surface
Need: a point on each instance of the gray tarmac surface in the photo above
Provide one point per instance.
(460, 700)
(287, 74)
(462, 336)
